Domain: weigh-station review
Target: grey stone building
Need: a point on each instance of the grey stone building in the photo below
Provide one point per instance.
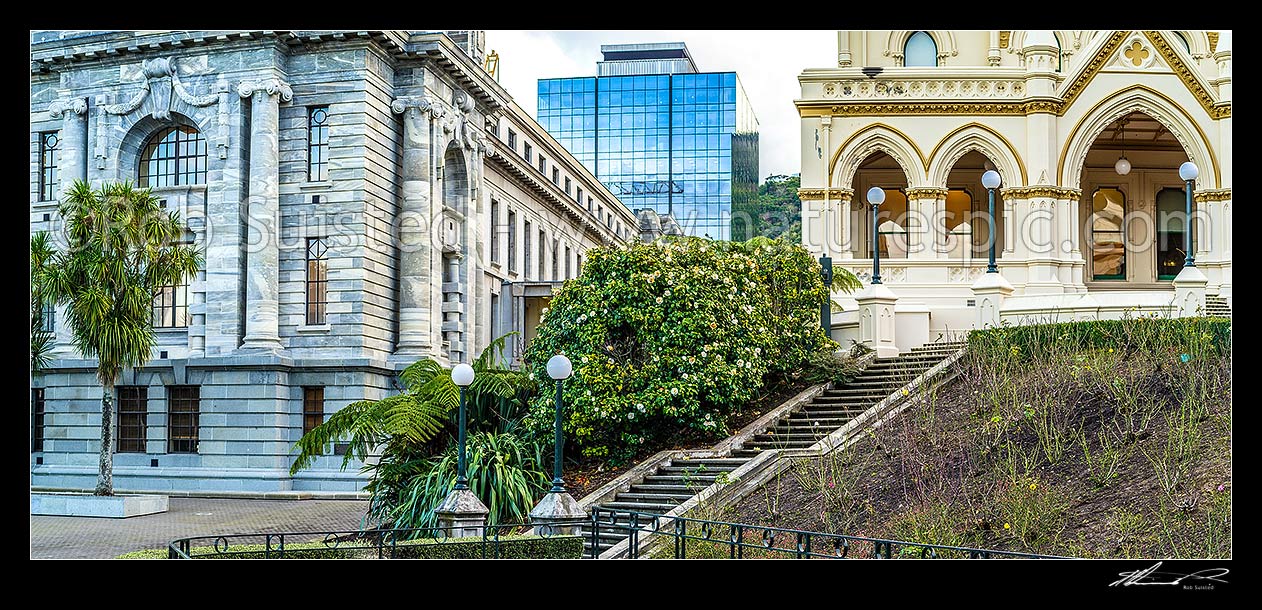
(363, 200)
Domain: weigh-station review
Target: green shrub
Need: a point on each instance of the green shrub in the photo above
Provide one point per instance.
(674, 335)
(510, 547)
(505, 471)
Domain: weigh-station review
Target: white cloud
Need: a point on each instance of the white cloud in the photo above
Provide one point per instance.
(768, 63)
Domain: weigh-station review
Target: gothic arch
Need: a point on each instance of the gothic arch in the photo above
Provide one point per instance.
(877, 137)
(898, 39)
(1137, 98)
(983, 139)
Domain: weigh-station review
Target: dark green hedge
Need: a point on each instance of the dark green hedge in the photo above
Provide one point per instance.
(511, 547)
(1145, 333)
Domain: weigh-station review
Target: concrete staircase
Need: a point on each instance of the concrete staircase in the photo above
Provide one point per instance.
(1217, 307)
(677, 480)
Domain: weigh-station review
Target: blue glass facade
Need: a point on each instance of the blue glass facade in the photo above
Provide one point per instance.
(686, 144)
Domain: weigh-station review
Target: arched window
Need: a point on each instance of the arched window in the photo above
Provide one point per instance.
(173, 156)
(1171, 217)
(1187, 47)
(959, 224)
(920, 50)
(1108, 243)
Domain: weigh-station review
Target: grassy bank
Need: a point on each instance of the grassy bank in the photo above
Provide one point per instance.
(1090, 439)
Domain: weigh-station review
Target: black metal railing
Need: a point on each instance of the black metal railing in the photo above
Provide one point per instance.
(715, 539)
(381, 543)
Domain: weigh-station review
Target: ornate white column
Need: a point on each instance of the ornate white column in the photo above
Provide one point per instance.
(73, 149)
(415, 221)
(926, 228)
(262, 323)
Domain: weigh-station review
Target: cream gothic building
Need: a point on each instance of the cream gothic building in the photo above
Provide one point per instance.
(1080, 233)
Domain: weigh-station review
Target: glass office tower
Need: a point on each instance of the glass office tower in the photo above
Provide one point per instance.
(661, 135)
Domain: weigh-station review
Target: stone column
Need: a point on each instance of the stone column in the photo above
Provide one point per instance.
(415, 223)
(990, 290)
(73, 150)
(262, 322)
(926, 228)
(876, 319)
(845, 210)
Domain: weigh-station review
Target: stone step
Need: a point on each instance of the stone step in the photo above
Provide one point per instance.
(831, 413)
(700, 482)
(668, 489)
(709, 462)
(804, 420)
(656, 508)
(696, 470)
(785, 444)
(835, 401)
(791, 435)
(635, 496)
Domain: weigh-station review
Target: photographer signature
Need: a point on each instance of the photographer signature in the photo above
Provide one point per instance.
(1148, 576)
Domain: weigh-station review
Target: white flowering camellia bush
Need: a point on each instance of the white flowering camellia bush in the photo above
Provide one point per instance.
(674, 336)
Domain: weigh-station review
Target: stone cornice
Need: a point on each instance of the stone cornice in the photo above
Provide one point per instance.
(995, 105)
(551, 193)
(1041, 190)
(1211, 195)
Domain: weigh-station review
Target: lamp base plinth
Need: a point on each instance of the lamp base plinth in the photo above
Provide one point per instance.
(1189, 292)
(557, 514)
(461, 514)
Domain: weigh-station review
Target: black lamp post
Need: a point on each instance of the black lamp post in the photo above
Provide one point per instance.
(825, 308)
(1188, 172)
(559, 368)
(876, 196)
(991, 181)
(462, 376)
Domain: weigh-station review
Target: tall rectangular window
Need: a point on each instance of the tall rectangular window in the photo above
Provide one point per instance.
(543, 164)
(512, 140)
(317, 281)
(37, 419)
(567, 183)
(48, 318)
(495, 233)
(579, 262)
(578, 195)
(133, 412)
(526, 269)
(590, 201)
(568, 268)
(49, 178)
(527, 152)
(556, 177)
(495, 316)
(556, 254)
(183, 418)
(170, 307)
(542, 247)
(312, 408)
(317, 143)
(512, 240)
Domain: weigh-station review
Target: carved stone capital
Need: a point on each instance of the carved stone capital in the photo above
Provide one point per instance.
(1211, 195)
(270, 86)
(1042, 190)
(926, 192)
(402, 104)
(840, 195)
(77, 105)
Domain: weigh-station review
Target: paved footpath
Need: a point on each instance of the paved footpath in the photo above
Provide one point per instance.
(87, 537)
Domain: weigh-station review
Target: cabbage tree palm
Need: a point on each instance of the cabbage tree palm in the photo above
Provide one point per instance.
(41, 338)
(120, 249)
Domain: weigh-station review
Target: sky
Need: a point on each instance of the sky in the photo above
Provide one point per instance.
(766, 62)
